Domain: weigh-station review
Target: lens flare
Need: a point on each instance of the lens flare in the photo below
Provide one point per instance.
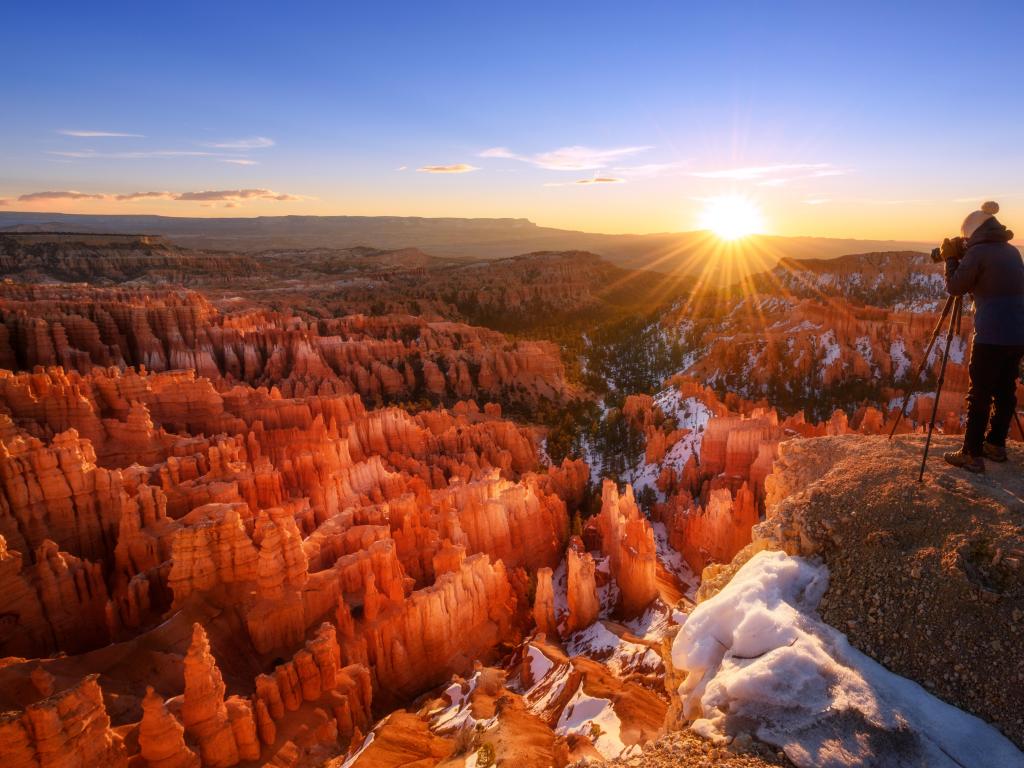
(731, 217)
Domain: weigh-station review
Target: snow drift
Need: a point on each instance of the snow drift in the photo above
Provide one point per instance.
(758, 659)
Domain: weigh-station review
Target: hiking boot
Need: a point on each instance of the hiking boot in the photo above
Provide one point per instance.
(964, 460)
(994, 452)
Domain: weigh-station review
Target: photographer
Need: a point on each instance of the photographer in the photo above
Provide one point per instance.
(984, 264)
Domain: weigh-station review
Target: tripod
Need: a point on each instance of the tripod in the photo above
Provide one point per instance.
(953, 310)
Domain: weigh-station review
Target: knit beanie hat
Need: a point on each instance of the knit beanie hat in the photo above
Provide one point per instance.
(977, 218)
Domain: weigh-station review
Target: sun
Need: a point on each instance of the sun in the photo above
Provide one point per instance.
(731, 217)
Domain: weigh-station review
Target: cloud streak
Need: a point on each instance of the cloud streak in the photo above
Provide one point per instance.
(596, 180)
(573, 158)
(239, 161)
(254, 142)
(209, 195)
(91, 154)
(101, 134)
(235, 194)
(69, 194)
(146, 196)
(455, 168)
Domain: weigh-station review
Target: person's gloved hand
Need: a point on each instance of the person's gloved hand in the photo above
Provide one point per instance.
(951, 250)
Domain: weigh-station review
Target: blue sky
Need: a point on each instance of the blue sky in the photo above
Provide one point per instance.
(873, 120)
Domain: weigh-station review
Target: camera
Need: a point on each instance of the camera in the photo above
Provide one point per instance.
(951, 248)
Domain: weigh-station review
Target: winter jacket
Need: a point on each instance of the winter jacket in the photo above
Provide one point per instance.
(993, 272)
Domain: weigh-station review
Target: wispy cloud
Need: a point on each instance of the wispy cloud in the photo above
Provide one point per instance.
(456, 168)
(146, 196)
(69, 194)
(212, 195)
(236, 194)
(599, 180)
(254, 142)
(91, 154)
(402, 168)
(101, 134)
(5, 201)
(239, 161)
(574, 158)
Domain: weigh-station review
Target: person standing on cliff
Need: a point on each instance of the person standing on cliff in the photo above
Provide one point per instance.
(992, 271)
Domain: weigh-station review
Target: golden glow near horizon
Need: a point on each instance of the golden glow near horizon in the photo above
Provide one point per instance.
(731, 217)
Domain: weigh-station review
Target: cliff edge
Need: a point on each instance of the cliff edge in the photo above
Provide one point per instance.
(926, 578)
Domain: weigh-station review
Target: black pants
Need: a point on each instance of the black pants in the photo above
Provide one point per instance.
(994, 371)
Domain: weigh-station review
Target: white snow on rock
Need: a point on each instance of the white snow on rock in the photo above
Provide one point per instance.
(608, 592)
(656, 623)
(674, 562)
(622, 657)
(829, 348)
(351, 761)
(900, 358)
(540, 664)
(689, 413)
(545, 691)
(459, 713)
(595, 718)
(759, 659)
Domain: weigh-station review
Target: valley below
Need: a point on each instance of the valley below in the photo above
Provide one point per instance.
(297, 504)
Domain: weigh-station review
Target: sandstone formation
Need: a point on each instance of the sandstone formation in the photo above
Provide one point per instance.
(581, 593)
(162, 737)
(382, 358)
(544, 604)
(70, 728)
(628, 540)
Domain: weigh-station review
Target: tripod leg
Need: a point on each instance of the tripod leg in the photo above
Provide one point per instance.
(938, 387)
(950, 300)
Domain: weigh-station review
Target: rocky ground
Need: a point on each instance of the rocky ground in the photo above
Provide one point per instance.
(927, 578)
(685, 749)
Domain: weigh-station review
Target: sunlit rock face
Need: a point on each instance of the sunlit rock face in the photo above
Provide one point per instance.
(392, 357)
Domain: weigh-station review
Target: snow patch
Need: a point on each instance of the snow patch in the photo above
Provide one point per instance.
(674, 562)
(362, 748)
(459, 713)
(900, 359)
(622, 657)
(759, 657)
(543, 694)
(590, 716)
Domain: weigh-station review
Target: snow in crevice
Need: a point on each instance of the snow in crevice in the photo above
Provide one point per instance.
(900, 358)
(674, 562)
(459, 712)
(590, 716)
(829, 348)
(545, 691)
(560, 586)
(607, 593)
(621, 657)
(760, 659)
(654, 624)
(351, 761)
(688, 413)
